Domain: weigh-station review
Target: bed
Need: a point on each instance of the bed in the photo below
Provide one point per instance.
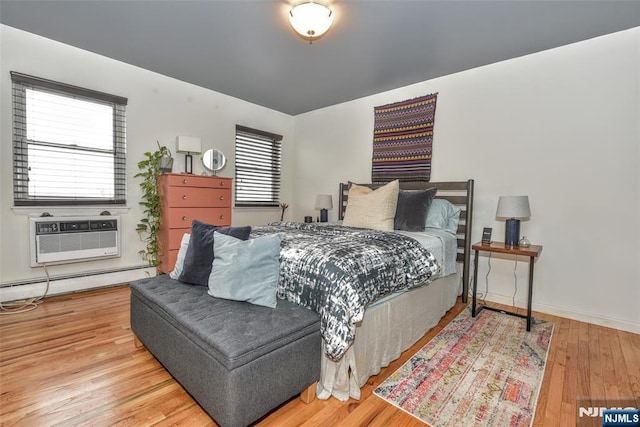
(396, 322)
(386, 326)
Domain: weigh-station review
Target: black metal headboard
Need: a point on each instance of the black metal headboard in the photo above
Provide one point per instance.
(460, 193)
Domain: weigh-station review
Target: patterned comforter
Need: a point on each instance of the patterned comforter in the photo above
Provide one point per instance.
(337, 271)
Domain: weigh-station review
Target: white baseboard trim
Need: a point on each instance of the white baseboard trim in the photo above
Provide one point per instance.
(74, 284)
(64, 286)
(622, 325)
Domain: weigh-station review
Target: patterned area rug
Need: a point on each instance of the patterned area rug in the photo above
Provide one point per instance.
(485, 371)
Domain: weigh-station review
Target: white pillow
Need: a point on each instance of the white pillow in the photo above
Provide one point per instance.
(369, 208)
(182, 252)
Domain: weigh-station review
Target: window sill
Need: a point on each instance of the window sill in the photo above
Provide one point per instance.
(69, 210)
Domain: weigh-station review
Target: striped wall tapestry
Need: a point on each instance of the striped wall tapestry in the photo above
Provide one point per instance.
(402, 140)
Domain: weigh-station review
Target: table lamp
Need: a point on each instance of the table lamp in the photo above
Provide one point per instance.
(513, 208)
(324, 202)
(188, 145)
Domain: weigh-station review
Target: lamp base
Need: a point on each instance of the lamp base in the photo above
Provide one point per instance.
(324, 215)
(188, 163)
(512, 232)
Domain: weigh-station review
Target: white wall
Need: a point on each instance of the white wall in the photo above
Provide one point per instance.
(561, 126)
(159, 109)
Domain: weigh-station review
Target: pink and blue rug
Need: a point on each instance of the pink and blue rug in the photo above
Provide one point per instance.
(485, 371)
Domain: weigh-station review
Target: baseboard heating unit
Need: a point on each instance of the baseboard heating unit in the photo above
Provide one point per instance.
(61, 240)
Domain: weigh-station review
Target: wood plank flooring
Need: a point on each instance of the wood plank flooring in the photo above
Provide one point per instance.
(73, 361)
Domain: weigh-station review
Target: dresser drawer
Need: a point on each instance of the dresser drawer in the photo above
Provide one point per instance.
(184, 180)
(182, 217)
(193, 197)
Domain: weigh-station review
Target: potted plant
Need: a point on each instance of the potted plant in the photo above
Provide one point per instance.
(148, 228)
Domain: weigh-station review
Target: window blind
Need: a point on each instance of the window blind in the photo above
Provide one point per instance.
(258, 167)
(69, 144)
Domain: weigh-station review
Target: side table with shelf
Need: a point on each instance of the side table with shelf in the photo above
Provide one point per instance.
(531, 252)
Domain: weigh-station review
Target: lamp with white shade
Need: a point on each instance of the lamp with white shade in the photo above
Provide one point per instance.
(188, 145)
(514, 208)
(324, 202)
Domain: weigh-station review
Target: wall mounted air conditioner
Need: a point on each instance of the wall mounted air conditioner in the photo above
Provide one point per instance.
(61, 240)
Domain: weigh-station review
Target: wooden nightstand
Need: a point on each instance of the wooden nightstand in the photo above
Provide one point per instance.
(532, 252)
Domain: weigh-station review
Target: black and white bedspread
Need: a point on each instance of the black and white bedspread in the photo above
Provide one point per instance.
(337, 271)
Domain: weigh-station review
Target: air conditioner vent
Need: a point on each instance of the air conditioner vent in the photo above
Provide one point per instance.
(73, 239)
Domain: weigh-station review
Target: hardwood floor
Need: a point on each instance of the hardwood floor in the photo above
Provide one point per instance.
(72, 361)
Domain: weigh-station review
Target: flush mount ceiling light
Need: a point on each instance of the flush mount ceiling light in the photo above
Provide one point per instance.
(311, 20)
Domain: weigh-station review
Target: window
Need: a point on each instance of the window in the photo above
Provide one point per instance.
(257, 167)
(69, 144)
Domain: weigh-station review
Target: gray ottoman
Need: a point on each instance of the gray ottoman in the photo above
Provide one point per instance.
(238, 360)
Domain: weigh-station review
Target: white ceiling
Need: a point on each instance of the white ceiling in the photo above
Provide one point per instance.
(248, 50)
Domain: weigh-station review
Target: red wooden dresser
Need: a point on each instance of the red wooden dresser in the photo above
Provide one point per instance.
(187, 197)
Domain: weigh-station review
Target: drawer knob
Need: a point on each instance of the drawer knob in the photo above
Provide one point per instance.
(184, 217)
(221, 216)
(221, 197)
(184, 197)
(221, 183)
(184, 181)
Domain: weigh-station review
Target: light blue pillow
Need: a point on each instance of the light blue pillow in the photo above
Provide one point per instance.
(443, 215)
(199, 255)
(246, 270)
(182, 252)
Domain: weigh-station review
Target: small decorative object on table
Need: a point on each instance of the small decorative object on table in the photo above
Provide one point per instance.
(524, 242)
(486, 235)
(283, 207)
(166, 161)
(213, 160)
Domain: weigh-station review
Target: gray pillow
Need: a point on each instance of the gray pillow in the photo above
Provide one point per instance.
(246, 270)
(413, 207)
(199, 256)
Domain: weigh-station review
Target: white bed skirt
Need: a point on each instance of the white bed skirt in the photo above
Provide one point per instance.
(388, 328)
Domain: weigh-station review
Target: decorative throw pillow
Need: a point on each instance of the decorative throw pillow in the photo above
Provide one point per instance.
(246, 270)
(369, 208)
(199, 256)
(413, 206)
(443, 215)
(182, 252)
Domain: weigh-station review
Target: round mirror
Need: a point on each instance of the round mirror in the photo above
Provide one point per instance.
(213, 160)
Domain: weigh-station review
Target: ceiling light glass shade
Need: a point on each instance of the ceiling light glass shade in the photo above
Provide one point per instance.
(311, 20)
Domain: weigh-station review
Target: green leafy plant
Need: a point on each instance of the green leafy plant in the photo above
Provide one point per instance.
(149, 226)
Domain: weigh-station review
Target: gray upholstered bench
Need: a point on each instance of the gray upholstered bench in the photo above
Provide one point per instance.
(238, 361)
